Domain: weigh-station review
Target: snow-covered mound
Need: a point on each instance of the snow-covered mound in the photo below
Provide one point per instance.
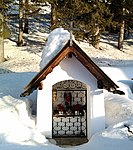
(115, 137)
(16, 125)
(118, 108)
(122, 77)
(56, 40)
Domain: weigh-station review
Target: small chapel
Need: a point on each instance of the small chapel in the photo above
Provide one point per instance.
(70, 90)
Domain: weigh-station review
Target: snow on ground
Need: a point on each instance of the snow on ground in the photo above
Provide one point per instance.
(17, 127)
(118, 108)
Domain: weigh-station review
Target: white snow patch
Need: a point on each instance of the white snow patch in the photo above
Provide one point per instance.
(118, 108)
(56, 40)
(16, 125)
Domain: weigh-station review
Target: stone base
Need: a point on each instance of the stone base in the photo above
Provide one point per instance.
(70, 141)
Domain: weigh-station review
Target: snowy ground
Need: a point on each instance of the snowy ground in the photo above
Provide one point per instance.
(27, 58)
(17, 127)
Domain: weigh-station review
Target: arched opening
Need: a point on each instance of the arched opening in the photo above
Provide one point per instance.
(69, 99)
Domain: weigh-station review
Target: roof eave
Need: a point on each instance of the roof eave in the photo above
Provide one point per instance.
(108, 84)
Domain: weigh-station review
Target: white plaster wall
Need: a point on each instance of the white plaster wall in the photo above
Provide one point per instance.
(70, 68)
(77, 71)
(97, 111)
(88, 112)
(44, 113)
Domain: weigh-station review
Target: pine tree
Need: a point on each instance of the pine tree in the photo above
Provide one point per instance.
(123, 15)
(53, 4)
(25, 10)
(90, 16)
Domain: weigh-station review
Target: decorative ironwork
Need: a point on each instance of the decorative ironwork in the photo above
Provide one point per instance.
(69, 85)
(69, 108)
(69, 126)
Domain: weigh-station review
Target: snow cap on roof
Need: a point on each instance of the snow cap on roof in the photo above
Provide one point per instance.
(56, 41)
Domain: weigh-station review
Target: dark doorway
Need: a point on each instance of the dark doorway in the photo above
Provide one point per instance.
(69, 109)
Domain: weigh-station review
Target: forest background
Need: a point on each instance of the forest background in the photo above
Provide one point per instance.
(88, 19)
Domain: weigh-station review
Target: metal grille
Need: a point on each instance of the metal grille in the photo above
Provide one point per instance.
(69, 109)
(69, 126)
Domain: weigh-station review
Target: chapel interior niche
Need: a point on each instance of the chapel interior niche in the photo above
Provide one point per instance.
(69, 108)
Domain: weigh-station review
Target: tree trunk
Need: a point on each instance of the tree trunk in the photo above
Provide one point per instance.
(121, 35)
(26, 25)
(20, 36)
(53, 15)
(96, 38)
(1, 39)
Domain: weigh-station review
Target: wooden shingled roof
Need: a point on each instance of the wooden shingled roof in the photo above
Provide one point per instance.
(85, 60)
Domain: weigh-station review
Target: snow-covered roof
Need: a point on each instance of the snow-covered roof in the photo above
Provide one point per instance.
(56, 49)
(56, 41)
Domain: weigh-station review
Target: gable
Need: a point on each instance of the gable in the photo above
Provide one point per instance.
(103, 80)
